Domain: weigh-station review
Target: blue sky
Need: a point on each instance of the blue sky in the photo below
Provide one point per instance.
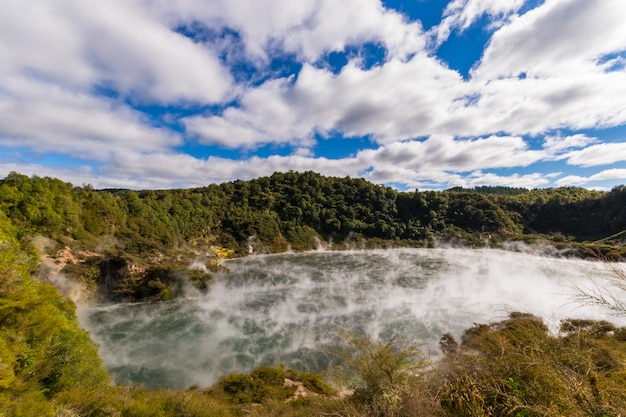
(426, 94)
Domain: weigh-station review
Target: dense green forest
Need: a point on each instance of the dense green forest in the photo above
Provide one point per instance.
(138, 245)
(295, 209)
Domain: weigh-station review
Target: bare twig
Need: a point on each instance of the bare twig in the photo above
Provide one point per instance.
(611, 294)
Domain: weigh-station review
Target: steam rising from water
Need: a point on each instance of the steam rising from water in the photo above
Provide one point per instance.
(287, 308)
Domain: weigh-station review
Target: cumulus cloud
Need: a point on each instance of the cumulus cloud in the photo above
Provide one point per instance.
(139, 55)
(545, 70)
(396, 101)
(40, 39)
(608, 174)
(76, 175)
(447, 154)
(556, 144)
(601, 154)
(48, 118)
(114, 43)
(477, 179)
(433, 163)
(77, 79)
(559, 37)
(533, 106)
(404, 99)
(308, 28)
(461, 14)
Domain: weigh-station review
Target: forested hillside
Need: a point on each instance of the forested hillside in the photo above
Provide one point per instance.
(291, 208)
(135, 244)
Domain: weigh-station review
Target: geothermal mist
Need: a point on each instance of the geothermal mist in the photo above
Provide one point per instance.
(291, 308)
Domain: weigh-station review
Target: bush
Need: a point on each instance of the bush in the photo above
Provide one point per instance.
(262, 384)
(515, 367)
(312, 382)
(391, 378)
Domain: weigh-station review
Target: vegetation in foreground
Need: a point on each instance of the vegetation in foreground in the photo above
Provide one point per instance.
(516, 367)
(129, 245)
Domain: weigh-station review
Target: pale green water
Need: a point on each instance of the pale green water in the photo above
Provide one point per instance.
(291, 308)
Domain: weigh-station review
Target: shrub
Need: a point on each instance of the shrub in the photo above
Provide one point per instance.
(515, 367)
(390, 378)
(262, 384)
(312, 382)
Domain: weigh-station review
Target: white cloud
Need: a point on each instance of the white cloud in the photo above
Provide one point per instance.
(478, 179)
(396, 101)
(114, 43)
(401, 99)
(308, 28)
(542, 71)
(439, 162)
(446, 154)
(432, 163)
(606, 175)
(609, 174)
(601, 154)
(47, 118)
(337, 24)
(142, 56)
(461, 14)
(533, 106)
(84, 175)
(257, 22)
(39, 37)
(558, 37)
(42, 171)
(304, 152)
(557, 144)
(265, 115)
(175, 170)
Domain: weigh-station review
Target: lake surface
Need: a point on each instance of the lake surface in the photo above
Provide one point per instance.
(292, 308)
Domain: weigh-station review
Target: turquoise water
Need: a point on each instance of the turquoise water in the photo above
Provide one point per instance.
(294, 308)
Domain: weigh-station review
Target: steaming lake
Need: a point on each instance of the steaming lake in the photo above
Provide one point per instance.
(290, 308)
